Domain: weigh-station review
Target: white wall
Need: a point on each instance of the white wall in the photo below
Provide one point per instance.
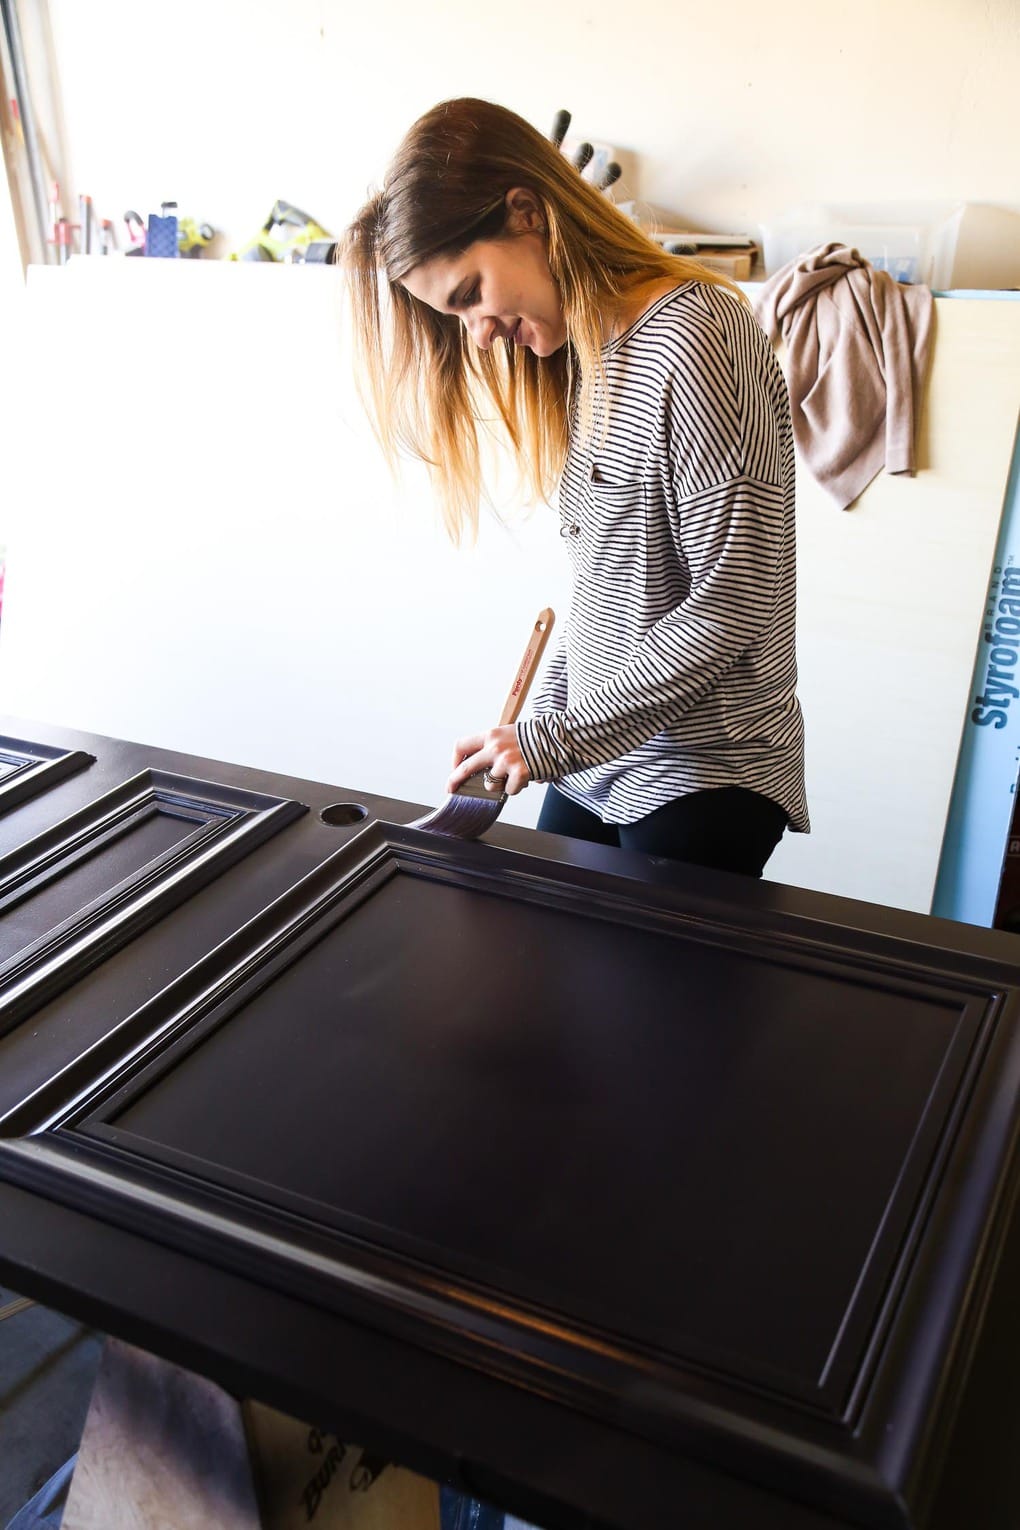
(206, 554)
(194, 566)
(735, 112)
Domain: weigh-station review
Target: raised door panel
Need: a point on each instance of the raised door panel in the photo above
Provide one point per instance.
(76, 893)
(718, 1177)
(27, 768)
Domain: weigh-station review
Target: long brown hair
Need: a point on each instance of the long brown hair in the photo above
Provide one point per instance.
(426, 380)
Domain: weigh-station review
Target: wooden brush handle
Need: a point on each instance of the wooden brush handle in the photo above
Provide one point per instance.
(528, 665)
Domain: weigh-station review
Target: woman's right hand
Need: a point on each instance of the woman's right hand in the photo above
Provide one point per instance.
(497, 753)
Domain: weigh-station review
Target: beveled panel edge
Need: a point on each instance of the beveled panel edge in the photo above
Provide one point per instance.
(825, 1442)
(81, 831)
(204, 794)
(230, 824)
(841, 1385)
(890, 1265)
(785, 1449)
(921, 1373)
(765, 926)
(284, 925)
(343, 877)
(185, 795)
(45, 766)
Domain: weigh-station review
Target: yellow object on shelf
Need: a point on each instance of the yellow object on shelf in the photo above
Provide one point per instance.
(286, 232)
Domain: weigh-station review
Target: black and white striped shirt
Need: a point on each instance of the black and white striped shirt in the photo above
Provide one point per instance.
(676, 669)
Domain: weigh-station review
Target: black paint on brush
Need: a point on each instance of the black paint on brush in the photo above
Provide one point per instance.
(467, 812)
(609, 176)
(582, 155)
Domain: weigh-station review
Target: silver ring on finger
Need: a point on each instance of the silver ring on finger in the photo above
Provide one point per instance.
(494, 783)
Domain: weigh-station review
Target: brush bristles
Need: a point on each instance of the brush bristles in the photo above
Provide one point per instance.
(462, 817)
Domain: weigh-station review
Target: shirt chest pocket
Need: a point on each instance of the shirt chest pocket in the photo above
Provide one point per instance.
(607, 530)
(610, 507)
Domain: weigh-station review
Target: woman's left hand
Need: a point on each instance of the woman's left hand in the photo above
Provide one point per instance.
(495, 752)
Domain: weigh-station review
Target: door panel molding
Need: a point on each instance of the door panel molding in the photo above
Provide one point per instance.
(27, 768)
(218, 825)
(198, 1122)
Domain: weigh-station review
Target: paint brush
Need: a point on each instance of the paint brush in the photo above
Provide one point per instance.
(473, 807)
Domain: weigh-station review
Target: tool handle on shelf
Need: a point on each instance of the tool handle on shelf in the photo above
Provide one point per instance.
(527, 667)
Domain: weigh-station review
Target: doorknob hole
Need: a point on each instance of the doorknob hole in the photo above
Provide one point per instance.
(339, 815)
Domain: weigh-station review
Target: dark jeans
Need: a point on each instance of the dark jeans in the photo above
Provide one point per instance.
(727, 827)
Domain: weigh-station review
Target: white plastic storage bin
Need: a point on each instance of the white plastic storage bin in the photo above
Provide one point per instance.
(900, 239)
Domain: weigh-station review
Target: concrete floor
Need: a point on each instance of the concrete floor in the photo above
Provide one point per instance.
(48, 1366)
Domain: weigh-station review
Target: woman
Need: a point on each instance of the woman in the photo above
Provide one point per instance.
(641, 384)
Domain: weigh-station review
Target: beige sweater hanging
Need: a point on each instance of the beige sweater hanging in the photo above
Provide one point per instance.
(857, 350)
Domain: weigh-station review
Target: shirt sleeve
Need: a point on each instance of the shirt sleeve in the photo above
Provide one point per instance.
(733, 541)
(731, 513)
(551, 693)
